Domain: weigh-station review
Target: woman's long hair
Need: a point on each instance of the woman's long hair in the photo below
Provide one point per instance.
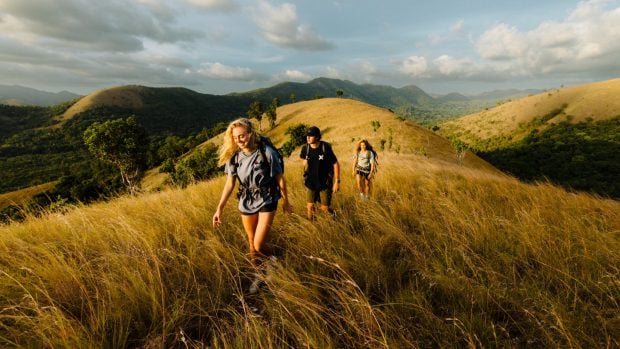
(229, 148)
(358, 147)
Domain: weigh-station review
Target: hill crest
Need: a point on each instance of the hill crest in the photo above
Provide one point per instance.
(343, 122)
(595, 101)
(129, 96)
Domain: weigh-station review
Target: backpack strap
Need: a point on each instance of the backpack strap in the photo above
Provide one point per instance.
(265, 167)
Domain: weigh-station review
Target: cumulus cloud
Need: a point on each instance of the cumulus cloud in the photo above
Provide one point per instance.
(109, 25)
(414, 66)
(502, 42)
(452, 66)
(223, 72)
(294, 75)
(222, 5)
(587, 39)
(281, 26)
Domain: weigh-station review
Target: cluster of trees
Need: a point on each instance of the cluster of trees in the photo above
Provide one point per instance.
(257, 111)
(297, 137)
(583, 156)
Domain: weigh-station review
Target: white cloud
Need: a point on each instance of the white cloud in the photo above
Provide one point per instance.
(502, 42)
(458, 26)
(451, 66)
(117, 26)
(281, 26)
(588, 39)
(294, 75)
(224, 5)
(223, 72)
(414, 66)
(331, 72)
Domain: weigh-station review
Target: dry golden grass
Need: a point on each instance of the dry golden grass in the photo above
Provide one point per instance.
(118, 96)
(596, 100)
(343, 122)
(442, 256)
(22, 196)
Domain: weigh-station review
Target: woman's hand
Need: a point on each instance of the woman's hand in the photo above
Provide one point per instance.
(216, 219)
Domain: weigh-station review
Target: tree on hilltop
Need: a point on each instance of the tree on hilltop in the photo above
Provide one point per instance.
(256, 112)
(123, 143)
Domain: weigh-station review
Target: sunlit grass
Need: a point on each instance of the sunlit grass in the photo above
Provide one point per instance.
(441, 256)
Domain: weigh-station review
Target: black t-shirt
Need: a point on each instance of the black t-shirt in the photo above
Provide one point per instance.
(320, 169)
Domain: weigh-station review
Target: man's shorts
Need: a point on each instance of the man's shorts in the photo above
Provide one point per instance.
(322, 196)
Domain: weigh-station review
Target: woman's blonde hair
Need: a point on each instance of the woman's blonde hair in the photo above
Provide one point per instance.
(358, 147)
(229, 148)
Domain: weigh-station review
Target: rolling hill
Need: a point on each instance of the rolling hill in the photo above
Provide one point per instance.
(343, 123)
(512, 121)
(570, 136)
(43, 136)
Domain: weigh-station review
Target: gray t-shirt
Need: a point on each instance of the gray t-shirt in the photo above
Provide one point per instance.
(257, 179)
(364, 159)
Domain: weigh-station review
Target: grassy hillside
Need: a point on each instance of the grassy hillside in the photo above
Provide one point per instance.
(512, 121)
(442, 256)
(21, 197)
(343, 123)
(33, 139)
(570, 136)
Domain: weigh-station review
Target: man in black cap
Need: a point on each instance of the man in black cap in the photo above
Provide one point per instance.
(321, 171)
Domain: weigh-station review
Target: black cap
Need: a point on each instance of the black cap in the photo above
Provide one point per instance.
(314, 132)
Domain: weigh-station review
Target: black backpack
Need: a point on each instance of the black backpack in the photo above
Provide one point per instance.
(264, 142)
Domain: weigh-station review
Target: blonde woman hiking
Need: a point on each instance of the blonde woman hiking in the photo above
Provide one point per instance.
(364, 167)
(254, 161)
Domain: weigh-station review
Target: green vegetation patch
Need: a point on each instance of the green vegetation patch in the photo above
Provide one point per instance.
(583, 156)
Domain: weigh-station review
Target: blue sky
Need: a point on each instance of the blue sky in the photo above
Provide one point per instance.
(221, 46)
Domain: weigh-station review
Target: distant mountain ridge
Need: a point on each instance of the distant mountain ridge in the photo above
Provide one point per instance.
(379, 95)
(26, 96)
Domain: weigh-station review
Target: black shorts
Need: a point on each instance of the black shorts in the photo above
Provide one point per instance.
(324, 197)
(362, 173)
(266, 208)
